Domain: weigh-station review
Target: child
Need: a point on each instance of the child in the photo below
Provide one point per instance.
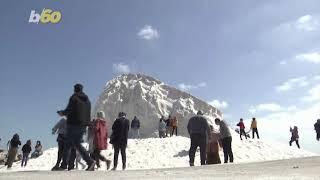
(26, 149)
(242, 127)
(213, 148)
(13, 150)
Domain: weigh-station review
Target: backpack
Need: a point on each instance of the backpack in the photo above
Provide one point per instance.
(100, 134)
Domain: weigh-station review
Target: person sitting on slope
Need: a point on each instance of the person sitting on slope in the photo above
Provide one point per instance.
(213, 147)
(38, 150)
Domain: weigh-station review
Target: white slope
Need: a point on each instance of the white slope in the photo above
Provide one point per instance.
(148, 99)
(172, 152)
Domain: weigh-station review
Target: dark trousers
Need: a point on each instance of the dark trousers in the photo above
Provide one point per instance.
(318, 136)
(174, 129)
(96, 155)
(242, 132)
(74, 140)
(255, 131)
(201, 141)
(61, 143)
(25, 157)
(296, 140)
(118, 148)
(227, 149)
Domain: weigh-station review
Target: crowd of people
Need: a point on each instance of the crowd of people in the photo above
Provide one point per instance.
(75, 121)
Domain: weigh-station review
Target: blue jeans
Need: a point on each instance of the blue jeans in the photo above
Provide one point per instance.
(25, 157)
(74, 139)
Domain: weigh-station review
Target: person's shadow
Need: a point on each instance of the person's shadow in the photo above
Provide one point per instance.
(182, 153)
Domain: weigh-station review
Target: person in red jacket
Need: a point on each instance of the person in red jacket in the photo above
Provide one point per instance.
(98, 141)
(242, 127)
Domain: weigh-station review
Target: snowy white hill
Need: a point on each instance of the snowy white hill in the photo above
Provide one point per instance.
(148, 99)
(172, 152)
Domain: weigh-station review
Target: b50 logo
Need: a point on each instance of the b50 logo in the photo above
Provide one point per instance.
(46, 16)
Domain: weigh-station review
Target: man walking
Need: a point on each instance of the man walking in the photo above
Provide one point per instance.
(119, 139)
(199, 131)
(78, 117)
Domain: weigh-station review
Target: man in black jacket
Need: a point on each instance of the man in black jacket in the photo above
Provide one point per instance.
(199, 131)
(135, 126)
(119, 139)
(78, 117)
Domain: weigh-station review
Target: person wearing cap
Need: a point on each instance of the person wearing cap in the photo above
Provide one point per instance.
(119, 139)
(78, 118)
(199, 131)
(226, 140)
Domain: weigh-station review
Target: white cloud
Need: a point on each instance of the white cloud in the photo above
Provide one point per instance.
(121, 68)
(313, 94)
(275, 125)
(316, 78)
(307, 23)
(219, 104)
(148, 33)
(313, 57)
(292, 84)
(267, 107)
(188, 87)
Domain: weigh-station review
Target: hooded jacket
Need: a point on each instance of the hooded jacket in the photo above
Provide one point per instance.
(120, 130)
(15, 141)
(78, 110)
(26, 148)
(198, 125)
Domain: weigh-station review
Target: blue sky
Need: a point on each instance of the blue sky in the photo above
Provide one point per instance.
(251, 58)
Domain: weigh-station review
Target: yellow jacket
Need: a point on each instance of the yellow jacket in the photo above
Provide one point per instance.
(254, 124)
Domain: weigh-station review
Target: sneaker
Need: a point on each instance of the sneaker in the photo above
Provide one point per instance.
(91, 166)
(59, 169)
(114, 168)
(124, 167)
(71, 168)
(108, 163)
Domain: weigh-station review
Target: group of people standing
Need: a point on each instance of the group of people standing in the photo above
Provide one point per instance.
(253, 127)
(75, 120)
(168, 127)
(208, 139)
(13, 146)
